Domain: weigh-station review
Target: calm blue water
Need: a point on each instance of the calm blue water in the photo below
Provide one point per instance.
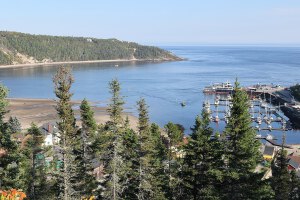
(165, 85)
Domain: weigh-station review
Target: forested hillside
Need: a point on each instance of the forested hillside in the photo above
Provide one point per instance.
(19, 48)
(296, 91)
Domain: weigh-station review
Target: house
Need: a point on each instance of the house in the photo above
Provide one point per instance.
(294, 162)
(269, 152)
(51, 133)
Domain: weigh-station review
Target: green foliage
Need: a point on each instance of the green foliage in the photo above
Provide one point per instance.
(9, 165)
(296, 91)
(70, 138)
(295, 186)
(5, 59)
(202, 174)
(142, 164)
(113, 147)
(115, 108)
(242, 151)
(14, 125)
(33, 168)
(88, 132)
(57, 48)
(152, 153)
(3, 102)
(280, 180)
(87, 117)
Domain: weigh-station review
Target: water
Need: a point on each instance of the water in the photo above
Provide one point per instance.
(166, 85)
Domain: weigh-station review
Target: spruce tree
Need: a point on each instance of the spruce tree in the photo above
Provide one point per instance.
(10, 158)
(174, 138)
(70, 138)
(88, 131)
(131, 164)
(242, 153)
(112, 146)
(202, 162)
(281, 178)
(151, 160)
(14, 124)
(295, 186)
(33, 167)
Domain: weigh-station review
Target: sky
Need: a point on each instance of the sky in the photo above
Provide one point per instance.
(159, 22)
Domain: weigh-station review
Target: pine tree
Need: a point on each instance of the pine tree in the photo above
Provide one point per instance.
(202, 162)
(88, 131)
(242, 151)
(10, 158)
(33, 166)
(70, 137)
(281, 178)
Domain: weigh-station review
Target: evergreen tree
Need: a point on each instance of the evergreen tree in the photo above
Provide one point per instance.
(281, 179)
(295, 186)
(70, 138)
(88, 131)
(33, 166)
(113, 148)
(14, 125)
(150, 162)
(131, 164)
(9, 157)
(242, 151)
(115, 107)
(174, 138)
(202, 162)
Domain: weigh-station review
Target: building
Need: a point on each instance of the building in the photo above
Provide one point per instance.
(51, 133)
(269, 152)
(293, 162)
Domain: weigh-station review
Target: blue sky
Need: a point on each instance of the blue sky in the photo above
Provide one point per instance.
(161, 22)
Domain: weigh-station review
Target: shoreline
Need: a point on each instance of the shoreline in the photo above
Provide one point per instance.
(41, 111)
(85, 62)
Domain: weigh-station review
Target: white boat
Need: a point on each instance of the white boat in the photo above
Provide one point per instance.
(258, 120)
(270, 128)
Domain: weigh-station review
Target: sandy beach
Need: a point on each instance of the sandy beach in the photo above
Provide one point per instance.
(41, 111)
(68, 62)
(80, 62)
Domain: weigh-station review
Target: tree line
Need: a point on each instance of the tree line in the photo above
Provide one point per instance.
(296, 91)
(58, 49)
(146, 162)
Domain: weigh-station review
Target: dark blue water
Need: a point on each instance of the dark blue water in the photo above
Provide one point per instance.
(165, 85)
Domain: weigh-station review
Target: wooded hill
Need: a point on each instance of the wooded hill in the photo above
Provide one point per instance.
(21, 48)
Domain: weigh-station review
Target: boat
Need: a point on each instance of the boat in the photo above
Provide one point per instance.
(183, 103)
(216, 119)
(217, 102)
(270, 128)
(258, 120)
(219, 88)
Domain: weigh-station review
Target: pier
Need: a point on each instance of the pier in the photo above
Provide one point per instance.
(269, 104)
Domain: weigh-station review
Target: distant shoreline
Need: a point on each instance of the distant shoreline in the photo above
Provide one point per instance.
(83, 62)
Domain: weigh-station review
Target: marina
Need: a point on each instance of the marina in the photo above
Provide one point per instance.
(264, 115)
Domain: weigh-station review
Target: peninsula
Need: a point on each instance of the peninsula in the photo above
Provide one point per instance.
(25, 49)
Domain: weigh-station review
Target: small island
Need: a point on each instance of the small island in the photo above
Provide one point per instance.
(25, 49)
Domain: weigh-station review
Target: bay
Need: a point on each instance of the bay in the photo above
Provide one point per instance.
(165, 85)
